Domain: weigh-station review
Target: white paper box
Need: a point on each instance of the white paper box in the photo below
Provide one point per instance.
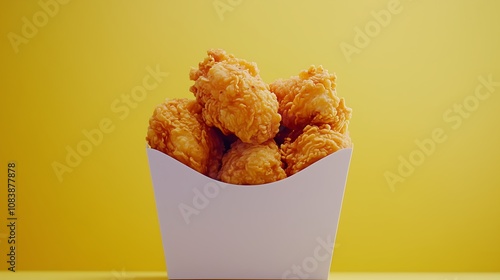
(214, 230)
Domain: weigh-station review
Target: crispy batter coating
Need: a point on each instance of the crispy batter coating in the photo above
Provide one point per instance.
(269, 132)
(310, 98)
(177, 129)
(315, 143)
(234, 97)
(251, 164)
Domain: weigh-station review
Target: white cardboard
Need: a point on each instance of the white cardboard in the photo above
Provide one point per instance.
(214, 230)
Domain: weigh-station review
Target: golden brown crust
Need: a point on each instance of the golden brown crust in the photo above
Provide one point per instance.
(250, 164)
(310, 98)
(177, 129)
(315, 143)
(234, 97)
(269, 131)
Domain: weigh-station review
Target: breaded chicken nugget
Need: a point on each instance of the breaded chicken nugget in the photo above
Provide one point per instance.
(234, 97)
(315, 143)
(251, 164)
(177, 129)
(310, 98)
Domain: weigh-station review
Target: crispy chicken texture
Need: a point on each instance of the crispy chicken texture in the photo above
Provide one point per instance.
(176, 128)
(315, 143)
(234, 97)
(310, 98)
(251, 164)
(242, 131)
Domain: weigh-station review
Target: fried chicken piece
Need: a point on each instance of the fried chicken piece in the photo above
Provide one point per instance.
(251, 164)
(315, 143)
(310, 98)
(176, 128)
(234, 97)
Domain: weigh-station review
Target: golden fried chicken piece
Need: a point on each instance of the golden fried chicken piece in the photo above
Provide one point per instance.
(251, 164)
(234, 97)
(177, 129)
(310, 98)
(315, 143)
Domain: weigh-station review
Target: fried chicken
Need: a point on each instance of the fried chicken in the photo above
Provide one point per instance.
(310, 98)
(234, 97)
(251, 164)
(315, 143)
(176, 128)
(240, 130)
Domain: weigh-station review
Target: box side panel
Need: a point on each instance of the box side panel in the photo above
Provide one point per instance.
(215, 230)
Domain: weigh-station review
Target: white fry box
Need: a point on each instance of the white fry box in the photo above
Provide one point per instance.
(281, 230)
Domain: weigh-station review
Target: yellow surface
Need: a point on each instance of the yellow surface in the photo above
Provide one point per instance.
(141, 275)
(71, 72)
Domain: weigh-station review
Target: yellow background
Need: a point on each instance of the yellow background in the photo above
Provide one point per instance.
(445, 216)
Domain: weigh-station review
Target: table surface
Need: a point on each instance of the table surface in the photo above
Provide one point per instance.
(161, 275)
